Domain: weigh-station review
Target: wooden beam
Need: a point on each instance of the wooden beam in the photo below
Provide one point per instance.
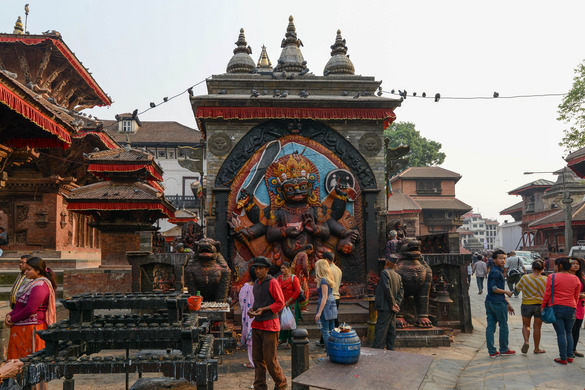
(23, 64)
(44, 62)
(53, 76)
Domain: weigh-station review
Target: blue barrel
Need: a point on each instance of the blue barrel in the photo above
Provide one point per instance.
(344, 348)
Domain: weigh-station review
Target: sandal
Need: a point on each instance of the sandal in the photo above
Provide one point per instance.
(539, 351)
(248, 365)
(524, 348)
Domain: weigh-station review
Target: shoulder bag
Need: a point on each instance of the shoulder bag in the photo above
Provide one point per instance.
(301, 297)
(548, 315)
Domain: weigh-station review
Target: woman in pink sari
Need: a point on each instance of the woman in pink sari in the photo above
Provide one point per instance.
(34, 310)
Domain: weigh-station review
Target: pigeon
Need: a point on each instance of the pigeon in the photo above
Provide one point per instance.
(254, 93)
(284, 94)
(152, 105)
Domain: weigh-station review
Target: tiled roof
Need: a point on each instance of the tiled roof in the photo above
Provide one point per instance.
(558, 217)
(515, 207)
(532, 184)
(427, 173)
(443, 204)
(164, 132)
(109, 190)
(399, 202)
(121, 155)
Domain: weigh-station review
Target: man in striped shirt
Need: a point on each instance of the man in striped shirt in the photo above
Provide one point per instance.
(20, 283)
(532, 287)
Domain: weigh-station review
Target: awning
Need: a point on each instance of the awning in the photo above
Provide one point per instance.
(16, 103)
(385, 114)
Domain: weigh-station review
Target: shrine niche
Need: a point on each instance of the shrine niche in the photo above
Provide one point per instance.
(295, 199)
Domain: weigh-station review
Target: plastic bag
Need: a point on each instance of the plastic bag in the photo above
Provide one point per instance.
(287, 319)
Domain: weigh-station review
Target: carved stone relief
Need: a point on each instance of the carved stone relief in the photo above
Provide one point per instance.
(21, 212)
(370, 144)
(219, 144)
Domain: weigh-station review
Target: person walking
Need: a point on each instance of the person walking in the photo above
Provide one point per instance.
(246, 298)
(480, 270)
(578, 269)
(268, 302)
(532, 288)
(326, 309)
(497, 307)
(389, 294)
(291, 288)
(21, 281)
(514, 269)
(567, 288)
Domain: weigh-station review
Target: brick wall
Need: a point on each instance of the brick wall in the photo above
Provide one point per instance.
(92, 280)
(114, 246)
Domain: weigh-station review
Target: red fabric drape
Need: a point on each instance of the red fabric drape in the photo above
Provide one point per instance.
(385, 114)
(119, 206)
(156, 185)
(124, 168)
(107, 141)
(16, 103)
(70, 57)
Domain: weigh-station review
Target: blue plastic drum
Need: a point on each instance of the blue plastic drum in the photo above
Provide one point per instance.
(344, 348)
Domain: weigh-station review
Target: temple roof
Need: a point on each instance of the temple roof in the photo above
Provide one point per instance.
(557, 219)
(264, 64)
(113, 190)
(427, 173)
(400, 203)
(443, 204)
(121, 155)
(46, 62)
(517, 207)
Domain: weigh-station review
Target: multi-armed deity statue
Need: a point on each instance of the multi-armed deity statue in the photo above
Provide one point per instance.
(280, 212)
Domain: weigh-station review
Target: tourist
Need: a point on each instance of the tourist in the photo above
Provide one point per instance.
(389, 294)
(20, 283)
(567, 288)
(337, 276)
(246, 298)
(480, 270)
(578, 269)
(514, 270)
(10, 368)
(268, 302)
(291, 288)
(326, 309)
(532, 287)
(497, 307)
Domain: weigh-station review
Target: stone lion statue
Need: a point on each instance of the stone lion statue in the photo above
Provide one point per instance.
(207, 271)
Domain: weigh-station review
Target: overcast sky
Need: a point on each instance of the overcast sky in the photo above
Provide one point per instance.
(141, 51)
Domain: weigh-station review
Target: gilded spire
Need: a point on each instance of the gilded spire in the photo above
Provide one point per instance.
(18, 29)
(339, 63)
(241, 62)
(264, 63)
(291, 59)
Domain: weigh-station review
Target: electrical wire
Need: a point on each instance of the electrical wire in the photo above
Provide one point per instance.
(495, 95)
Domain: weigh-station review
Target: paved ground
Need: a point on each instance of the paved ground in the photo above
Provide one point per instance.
(464, 366)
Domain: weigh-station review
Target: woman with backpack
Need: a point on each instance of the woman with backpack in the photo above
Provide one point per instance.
(291, 288)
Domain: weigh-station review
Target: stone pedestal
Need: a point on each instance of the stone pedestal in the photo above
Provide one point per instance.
(114, 246)
(419, 337)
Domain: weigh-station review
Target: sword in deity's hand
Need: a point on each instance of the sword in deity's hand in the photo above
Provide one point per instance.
(268, 156)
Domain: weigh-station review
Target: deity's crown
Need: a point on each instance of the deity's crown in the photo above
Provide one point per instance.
(293, 166)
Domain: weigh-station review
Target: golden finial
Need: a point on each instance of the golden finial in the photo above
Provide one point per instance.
(264, 62)
(18, 26)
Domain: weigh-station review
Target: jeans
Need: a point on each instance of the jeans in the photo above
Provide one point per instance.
(564, 327)
(385, 332)
(480, 282)
(326, 328)
(496, 313)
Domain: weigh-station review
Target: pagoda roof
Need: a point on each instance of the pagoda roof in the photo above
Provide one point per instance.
(123, 161)
(557, 219)
(427, 173)
(443, 204)
(118, 196)
(25, 106)
(400, 203)
(536, 184)
(48, 61)
(183, 216)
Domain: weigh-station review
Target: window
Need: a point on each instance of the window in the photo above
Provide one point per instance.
(161, 153)
(171, 154)
(430, 187)
(126, 126)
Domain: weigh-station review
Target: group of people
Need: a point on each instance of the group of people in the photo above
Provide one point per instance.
(32, 300)
(564, 291)
(262, 300)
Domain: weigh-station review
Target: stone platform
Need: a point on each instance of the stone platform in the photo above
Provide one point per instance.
(421, 338)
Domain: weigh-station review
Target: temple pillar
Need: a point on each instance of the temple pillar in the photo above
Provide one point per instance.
(221, 225)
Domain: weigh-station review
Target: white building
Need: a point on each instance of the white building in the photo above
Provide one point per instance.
(482, 229)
